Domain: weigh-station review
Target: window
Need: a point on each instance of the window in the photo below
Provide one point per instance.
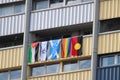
(3, 75)
(86, 0)
(83, 64)
(7, 10)
(45, 69)
(119, 59)
(108, 60)
(110, 25)
(42, 4)
(38, 71)
(15, 74)
(53, 68)
(71, 1)
(70, 66)
(11, 9)
(10, 75)
(20, 8)
(56, 3)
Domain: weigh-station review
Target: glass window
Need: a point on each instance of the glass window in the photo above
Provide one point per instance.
(56, 3)
(83, 64)
(71, 1)
(52, 68)
(118, 59)
(15, 74)
(3, 75)
(38, 71)
(7, 10)
(43, 4)
(109, 60)
(70, 66)
(86, 0)
(20, 8)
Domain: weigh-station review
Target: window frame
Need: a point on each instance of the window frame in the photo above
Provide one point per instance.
(115, 60)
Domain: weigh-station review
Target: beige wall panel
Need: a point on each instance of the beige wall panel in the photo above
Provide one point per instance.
(10, 57)
(109, 9)
(109, 43)
(87, 46)
(78, 75)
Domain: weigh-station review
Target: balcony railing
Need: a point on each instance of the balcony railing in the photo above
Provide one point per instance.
(13, 24)
(63, 16)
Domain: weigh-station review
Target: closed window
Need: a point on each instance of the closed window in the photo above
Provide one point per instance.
(119, 59)
(71, 66)
(38, 71)
(11, 9)
(42, 4)
(3, 75)
(10, 75)
(108, 60)
(56, 3)
(52, 68)
(45, 69)
(83, 64)
(86, 0)
(14, 75)
(20, 8)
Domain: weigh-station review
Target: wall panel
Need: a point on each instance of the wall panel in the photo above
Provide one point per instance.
(11, 24)
(11, 57)
(108, 73)
(64, 16)
(109, 9)
(109, 43)
(78, 75)
(8, 1)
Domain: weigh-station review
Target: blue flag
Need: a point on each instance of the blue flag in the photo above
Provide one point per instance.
(43, 50)
(54, 49)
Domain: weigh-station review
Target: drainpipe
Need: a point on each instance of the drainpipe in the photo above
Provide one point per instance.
(95, 40)
(28, 8)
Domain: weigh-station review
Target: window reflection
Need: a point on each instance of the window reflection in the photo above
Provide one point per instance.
(70, 66)
(4, 76)
(53, 68)
(83, 64)
(38, 71)
(15, 74)
(109, 60)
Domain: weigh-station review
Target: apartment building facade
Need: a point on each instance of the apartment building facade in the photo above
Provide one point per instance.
(62, 22)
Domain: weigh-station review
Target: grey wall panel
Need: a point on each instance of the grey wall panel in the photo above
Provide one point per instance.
(8, 1)
(109, 73)
(64, 16)
(11, 24)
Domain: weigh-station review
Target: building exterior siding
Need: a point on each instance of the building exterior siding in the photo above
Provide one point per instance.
(108, 73)
(11, 57)
(76, 75)
(109, 9)
(12, 24)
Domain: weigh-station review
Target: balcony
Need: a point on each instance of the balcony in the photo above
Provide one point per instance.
(62, 16)
(108, 43)
(13, 24)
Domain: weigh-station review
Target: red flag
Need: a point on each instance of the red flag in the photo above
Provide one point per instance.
(76, 45)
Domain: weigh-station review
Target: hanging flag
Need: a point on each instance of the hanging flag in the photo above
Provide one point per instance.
(76, 45)
(33, 52)
(43, 50)
(54, 49)
(65, 47)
